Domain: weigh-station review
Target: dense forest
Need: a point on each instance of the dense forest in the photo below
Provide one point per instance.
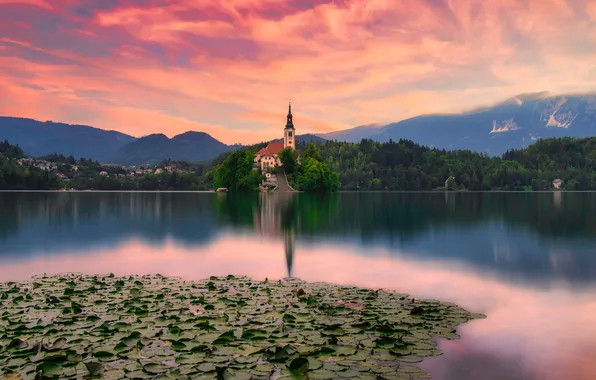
(405, 165)
(368, 165)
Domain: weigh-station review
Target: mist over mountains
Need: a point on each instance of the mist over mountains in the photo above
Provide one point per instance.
(512, 124)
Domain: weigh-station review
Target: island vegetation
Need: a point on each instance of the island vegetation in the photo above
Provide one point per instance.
(236, 172)
(323, 167)
(307, 172)
(93, 326)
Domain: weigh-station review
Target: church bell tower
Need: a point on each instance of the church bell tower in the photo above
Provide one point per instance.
(289, 130)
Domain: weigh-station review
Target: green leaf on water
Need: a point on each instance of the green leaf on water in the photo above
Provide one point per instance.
(154, 368)
(94, 368)
(17, 344)
(103, 354)
(299, 365)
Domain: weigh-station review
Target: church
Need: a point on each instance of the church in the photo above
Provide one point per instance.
(266, 158)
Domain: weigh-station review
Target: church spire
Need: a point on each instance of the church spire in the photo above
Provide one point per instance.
(289, 122)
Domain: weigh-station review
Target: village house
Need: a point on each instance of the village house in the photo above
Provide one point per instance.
(267, 158)
(557, 183)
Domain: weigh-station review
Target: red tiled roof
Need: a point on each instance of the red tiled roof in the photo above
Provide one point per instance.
(273, 148)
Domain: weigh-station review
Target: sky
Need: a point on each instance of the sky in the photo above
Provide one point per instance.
(229, 67)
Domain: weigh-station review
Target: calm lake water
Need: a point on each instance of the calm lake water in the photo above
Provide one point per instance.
(527, 261)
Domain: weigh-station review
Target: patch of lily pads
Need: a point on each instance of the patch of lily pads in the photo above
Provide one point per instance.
(146, 327)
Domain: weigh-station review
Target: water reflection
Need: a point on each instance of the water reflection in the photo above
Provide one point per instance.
(527, 238)
(271, 218)
(526, 260)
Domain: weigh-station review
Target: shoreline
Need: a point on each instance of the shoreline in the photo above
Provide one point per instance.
(339, 191)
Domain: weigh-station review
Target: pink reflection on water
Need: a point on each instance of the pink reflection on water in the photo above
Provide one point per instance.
(529, 333)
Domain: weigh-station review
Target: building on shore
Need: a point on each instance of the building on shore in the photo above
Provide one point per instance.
(267, 158)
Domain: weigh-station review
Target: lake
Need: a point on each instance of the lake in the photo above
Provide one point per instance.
(526, 260)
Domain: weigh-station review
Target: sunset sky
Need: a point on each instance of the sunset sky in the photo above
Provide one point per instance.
(228, 67)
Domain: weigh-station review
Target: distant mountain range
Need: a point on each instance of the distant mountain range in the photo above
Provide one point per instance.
(515, 123)
(43, 138)
(152, 149)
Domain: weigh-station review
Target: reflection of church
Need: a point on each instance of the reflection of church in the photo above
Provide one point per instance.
(268, 221)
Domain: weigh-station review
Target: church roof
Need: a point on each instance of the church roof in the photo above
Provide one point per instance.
(274, 147)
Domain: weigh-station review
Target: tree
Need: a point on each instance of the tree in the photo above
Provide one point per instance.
(572, 185)
(314, 176)
(236, 174)
(289, 160)
(312, 152)
(450, 183)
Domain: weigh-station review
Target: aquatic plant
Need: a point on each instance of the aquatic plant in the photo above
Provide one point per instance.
(141, 327)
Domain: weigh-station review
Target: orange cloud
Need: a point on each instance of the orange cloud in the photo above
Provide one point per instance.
(229, 67)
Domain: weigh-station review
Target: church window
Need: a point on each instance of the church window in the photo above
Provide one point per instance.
(290, 134)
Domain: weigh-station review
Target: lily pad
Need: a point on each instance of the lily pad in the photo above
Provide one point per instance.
(73, 326)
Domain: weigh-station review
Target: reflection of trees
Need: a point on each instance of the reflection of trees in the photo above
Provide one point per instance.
(486, 229)
(489, 230)
(407, 214)
(78, 221)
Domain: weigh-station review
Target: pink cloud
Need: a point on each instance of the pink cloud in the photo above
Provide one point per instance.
(38, 3)
(219, 65)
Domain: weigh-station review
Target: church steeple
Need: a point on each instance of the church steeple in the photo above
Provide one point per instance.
(289, 130)
(289, 122)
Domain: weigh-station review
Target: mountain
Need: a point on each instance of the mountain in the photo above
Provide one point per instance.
(354, 134)
(152, 149)
(38, 138)
(306, 138)
(514, 123)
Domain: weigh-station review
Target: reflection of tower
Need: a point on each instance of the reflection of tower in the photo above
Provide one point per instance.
(450, 200)
(557, 199)
(271, 219)
(289, 245)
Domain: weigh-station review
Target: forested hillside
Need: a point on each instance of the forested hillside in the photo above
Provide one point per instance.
(404, 165)
(368, 165)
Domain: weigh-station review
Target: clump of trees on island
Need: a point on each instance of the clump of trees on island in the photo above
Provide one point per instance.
(323, 167)
(307, 172)
(236, 172)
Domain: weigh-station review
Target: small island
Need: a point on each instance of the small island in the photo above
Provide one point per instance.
(278, 166)
(76, 326)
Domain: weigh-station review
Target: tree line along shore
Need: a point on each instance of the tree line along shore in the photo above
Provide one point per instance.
(549, 164)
